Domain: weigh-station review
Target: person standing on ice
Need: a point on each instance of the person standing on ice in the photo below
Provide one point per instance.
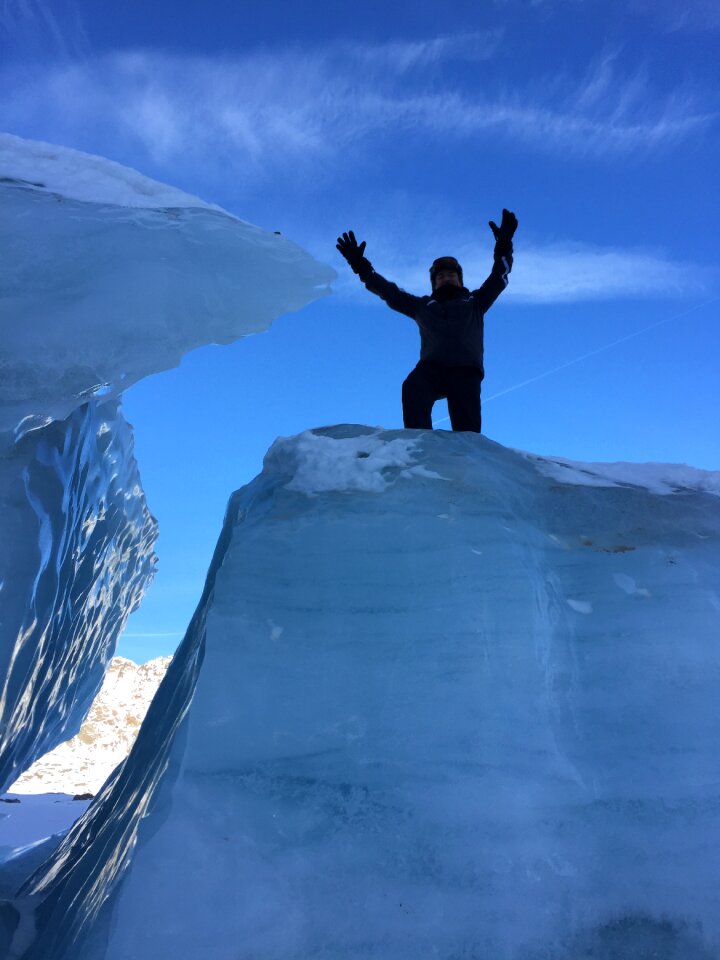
(451, 329)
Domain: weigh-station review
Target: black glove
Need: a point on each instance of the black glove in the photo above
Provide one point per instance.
(504, 233)
(353, 252)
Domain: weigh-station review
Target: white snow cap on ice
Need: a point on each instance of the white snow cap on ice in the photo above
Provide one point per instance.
(84, 176)
(662, 478)
(367, 462)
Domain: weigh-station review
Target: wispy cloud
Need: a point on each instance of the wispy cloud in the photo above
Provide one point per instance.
(402, 55)
(673, 14)
(33, 27)
(565, 273)
(568, 273)
(268, 109)
(688, 15)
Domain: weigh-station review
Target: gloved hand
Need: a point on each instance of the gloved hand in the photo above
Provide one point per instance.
(504, 233)
(353, 252)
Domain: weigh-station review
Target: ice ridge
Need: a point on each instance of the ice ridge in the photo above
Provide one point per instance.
(464, 708)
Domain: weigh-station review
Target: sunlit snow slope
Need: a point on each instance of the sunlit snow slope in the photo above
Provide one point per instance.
(456, 702)
(83, 764)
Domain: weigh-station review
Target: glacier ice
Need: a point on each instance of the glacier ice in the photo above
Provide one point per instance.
(77, 556)
(453, 701)
(107, 276)
(439, 699)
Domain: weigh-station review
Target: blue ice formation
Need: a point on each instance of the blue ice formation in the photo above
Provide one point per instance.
(109, 276)
(453, 701)
(106, 277)
(78, 555)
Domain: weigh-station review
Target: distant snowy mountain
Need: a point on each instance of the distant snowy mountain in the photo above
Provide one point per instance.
(108, 277)
(83, 764)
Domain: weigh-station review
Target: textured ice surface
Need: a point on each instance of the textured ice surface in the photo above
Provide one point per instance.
(77, 554)
(106, 276)
(109, 276)
(457, 709)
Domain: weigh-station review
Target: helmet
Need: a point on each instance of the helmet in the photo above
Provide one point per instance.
(445, 263)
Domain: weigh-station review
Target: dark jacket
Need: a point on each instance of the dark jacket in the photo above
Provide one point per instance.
(451, 320)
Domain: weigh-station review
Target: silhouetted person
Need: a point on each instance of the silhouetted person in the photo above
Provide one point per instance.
(451, 328)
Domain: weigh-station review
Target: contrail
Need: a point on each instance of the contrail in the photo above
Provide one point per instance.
(592, 353)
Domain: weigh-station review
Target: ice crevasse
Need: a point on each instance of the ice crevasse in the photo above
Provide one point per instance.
(439, 699)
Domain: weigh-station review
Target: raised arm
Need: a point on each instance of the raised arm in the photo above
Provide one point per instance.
(487, 294)
(393, 296)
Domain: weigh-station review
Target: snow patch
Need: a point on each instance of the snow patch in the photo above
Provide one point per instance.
(26, 820)
(369, 463)
(661, 478)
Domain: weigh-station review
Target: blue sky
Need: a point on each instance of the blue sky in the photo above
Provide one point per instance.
(595, 121)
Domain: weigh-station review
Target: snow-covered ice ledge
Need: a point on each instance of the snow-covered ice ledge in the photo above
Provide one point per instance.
(109, 276)
(453, 703)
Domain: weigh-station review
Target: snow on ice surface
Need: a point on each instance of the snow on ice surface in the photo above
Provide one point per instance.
(467, 712)
(109, 276)
(29, 820)
(75, 175)
(321, 463)
(662, 478)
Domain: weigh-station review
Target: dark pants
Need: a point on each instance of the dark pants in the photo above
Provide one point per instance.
(429, 382)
